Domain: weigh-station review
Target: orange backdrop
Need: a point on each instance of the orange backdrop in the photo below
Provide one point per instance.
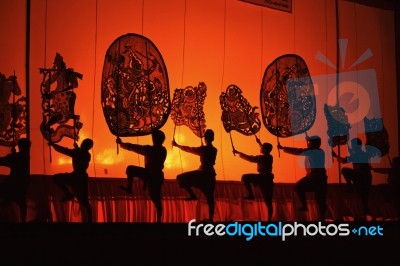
(218, 42)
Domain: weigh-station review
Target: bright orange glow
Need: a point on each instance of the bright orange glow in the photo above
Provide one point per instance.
(109, 157)
(174, 160)
(62, 161)
(217, 42)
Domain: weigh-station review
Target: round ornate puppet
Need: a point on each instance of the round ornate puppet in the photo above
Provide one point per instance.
(287, 97)
(135, 90)
(237, 113)
(187, 108)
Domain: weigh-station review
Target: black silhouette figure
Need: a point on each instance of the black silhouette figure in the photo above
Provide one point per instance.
(14, 187)
(204, 177)
(152, 173)
(264, 179)
(358, 178)
(316, 178)
(393, 181)
(75, 184)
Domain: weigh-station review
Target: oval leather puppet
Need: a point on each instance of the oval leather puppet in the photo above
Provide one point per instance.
(287, 98)
(237, 113)
(135, 93)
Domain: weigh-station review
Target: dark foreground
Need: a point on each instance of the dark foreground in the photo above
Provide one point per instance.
(169, 244)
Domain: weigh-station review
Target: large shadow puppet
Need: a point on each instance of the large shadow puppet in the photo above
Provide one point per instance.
(58, 102)
(287, 97)
(135, 90)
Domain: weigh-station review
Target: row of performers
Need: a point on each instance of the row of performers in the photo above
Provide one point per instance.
(75, 183)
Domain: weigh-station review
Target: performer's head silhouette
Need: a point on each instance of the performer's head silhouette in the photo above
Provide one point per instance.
(356, 144)
(266, 148)
(158, 137)
(87, 144)
(313, 142)
(209, 135)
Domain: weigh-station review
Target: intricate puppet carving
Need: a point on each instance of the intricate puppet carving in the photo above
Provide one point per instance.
(135, 89)
(338, 125)
(287, 97)
(58, 104)
(237, 113)
(12, 111)
(187, 108)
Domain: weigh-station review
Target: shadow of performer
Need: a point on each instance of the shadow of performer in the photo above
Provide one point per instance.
(264, 179)
(316, 179)
(204, 177)
(152, 173)
(358, 178)
(14, 187)
(75, 184)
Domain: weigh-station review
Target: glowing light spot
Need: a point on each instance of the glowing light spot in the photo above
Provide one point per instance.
(109, 157)
(62, 161)
(174, 160)
(180, 137)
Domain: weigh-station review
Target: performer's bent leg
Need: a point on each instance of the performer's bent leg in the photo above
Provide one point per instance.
(211, 205)
(320, 196)
(247, 179)
(155, 195)
(88, 208)
(300, 189)
(82, 194)
(267, 191)
(61, 180)
(192, 196)
(129, 186)
(131, 172)
(364, 195)
(348, 175)
(184, 181)
(208, 188)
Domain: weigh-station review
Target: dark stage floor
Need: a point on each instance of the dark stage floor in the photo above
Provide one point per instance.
(169, 243)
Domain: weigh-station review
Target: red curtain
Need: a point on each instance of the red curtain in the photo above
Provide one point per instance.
(111, 204)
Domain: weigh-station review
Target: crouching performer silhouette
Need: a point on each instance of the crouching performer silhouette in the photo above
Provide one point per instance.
(75, 184)
(152, 173)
